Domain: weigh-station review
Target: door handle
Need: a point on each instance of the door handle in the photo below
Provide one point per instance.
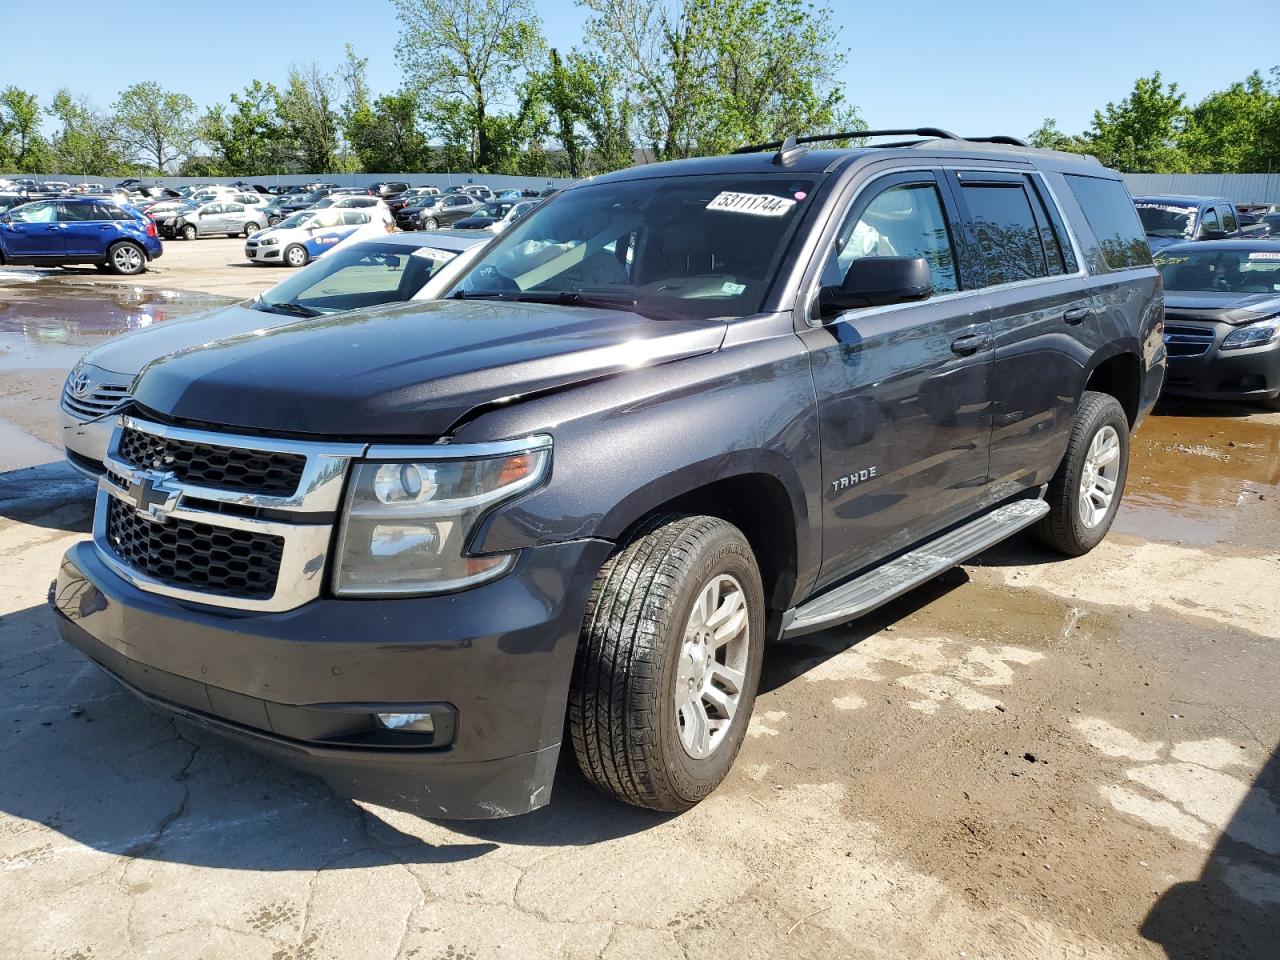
(1076, 315)
(970, 343)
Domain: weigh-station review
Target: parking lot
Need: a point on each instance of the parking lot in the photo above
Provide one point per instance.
(1028, 758)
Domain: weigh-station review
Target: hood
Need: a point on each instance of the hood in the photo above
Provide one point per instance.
(1220, 307)
(130, 352)
(412, 370)
(1159, 243)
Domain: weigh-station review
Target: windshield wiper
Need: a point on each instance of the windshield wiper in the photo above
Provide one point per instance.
(567, 298)
(289, 309)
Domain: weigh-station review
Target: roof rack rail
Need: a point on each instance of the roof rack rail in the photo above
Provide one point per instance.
(787, 147)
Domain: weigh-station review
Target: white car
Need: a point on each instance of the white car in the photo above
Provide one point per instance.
(383, 269)
(299, 239)
(343, 202)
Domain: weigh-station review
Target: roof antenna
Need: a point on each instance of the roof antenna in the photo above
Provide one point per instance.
(789, 152)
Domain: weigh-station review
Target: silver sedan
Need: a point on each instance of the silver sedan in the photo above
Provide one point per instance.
(218, 217)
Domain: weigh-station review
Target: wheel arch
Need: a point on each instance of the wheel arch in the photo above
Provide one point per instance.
(1118, 372)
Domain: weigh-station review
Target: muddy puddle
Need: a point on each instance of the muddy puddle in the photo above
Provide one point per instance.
(1199, 474)
(49, 324)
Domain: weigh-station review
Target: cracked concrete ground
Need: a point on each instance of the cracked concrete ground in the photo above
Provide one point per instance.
(1028, 758)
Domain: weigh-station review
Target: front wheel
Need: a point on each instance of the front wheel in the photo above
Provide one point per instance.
(126, 259)
(668, 663)
(295, 255)
(1085, 493)
(431, 223)
(250, 229)
(189, 232)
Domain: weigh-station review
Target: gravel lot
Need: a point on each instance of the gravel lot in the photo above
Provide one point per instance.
(1024, 759)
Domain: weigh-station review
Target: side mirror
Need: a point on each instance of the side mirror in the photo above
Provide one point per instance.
(877, 282)
(1213, 234)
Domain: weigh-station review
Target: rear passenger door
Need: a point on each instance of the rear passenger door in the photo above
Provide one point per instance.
(89, 229)
(902, 390)
(1017, 250)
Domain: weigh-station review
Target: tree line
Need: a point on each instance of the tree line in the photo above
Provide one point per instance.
(482, 91)
(1156, 130)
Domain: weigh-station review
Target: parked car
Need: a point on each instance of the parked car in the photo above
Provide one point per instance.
(391, 188)
(219, 217)
(1222, 320)
(409, 197)
(496, 217)
(308, 234)
(355, 202)
(381, 269)
(1272, 222)
(1174, 219)
(10, 200)
(56, 233)
(432, 213)
(676, 412)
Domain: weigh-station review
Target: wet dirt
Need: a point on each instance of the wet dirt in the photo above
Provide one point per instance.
(1203, 474)
(50, 323)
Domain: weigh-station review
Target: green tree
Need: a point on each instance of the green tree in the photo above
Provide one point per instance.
(385, 135)
(1141, 133)
(245, 138)
(477, 55)
(1236, 130)
(22, 148)
(308, 121)
(85, 143)
(707, 76)
(1048, 137)
(156, 127)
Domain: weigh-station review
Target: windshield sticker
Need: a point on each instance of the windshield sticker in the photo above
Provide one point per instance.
(732, 289)
(1265, 255)
(756, 204)
(1165, 207)
(431, 253)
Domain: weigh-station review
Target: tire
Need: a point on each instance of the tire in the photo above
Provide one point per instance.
(295, 255)
(1272, 404)
(1100, 426)
(431, 223)
(189, 231)
(126, 259)
(626, 719)
(272, 221)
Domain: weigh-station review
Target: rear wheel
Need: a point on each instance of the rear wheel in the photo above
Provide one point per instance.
(668, 663)
(189, 231)
(1085, 493)
(126, 259)
(251, 228)
(295, 255)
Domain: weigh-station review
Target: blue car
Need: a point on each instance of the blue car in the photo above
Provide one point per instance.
(51, 233)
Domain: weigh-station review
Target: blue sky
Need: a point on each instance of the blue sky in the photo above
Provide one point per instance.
(975, 68)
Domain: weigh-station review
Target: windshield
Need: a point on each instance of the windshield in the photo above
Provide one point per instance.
(359, 275)
(701, 247)
(1166, 220)
(1221, 271)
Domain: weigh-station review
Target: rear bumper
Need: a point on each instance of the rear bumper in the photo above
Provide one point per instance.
(302, 686)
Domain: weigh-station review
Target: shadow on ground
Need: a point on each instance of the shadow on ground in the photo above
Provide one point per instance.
(1233, 908)
(52, 496)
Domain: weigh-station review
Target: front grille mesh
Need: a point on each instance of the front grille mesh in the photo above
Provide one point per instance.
(196, 556)
(1185, 340)
(227, 468)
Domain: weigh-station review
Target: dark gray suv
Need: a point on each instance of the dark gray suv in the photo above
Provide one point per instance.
(674, 413)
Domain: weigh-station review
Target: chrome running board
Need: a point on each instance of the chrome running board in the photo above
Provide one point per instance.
(876, 587)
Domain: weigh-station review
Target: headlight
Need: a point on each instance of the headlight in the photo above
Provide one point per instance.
(1253, 335)
(407, 522)
(268, 242)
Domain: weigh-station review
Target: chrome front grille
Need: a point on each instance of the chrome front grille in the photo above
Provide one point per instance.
(1185, 340)
(95, 399)
(213, 523)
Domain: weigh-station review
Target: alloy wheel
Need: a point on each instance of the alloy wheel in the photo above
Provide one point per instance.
(712, 669)
(1099, 477)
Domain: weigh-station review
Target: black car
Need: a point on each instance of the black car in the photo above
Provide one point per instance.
(1222, 320)
(432, 213)
(677, 412)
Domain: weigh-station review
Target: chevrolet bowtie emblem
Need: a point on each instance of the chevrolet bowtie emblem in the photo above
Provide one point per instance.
(152, 494)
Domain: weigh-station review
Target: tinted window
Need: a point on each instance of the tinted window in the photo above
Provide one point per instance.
(1229, 220)
(1006, 232)
(900, 221)
(1209, 221)
(1111, 216)
(81, 212)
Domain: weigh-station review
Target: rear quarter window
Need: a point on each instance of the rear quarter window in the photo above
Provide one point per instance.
(1112, 218)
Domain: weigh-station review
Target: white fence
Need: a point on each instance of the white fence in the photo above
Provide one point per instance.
(1236, 187)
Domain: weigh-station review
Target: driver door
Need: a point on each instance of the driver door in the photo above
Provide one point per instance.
(211, 220)
(33, 231)
(903, 394)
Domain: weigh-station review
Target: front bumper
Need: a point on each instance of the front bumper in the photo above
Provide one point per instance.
(260, 252)
(1241, 375)
(302, 685)
(85, 442)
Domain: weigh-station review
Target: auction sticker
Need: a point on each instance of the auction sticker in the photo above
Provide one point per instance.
(756, 204)
(1265, 255)
(431, 253)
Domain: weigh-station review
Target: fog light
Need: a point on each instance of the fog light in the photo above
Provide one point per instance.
(408, 722)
